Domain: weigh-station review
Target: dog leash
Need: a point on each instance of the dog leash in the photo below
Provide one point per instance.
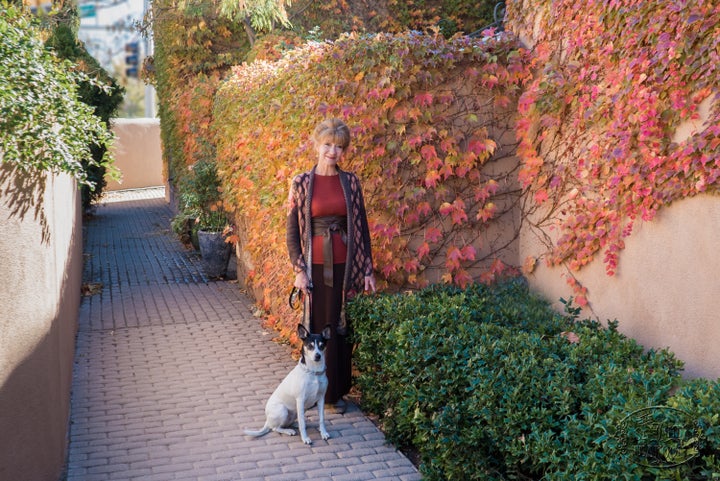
(298, 296)
(295, 298)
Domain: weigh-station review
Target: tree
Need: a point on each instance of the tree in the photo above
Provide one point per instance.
(256, 15)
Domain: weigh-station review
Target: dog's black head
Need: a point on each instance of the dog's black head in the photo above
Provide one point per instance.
(313, 344)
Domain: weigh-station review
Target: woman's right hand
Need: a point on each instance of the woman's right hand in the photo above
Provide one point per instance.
(301, 281)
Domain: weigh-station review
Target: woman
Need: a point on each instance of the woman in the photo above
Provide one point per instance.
(328, 241)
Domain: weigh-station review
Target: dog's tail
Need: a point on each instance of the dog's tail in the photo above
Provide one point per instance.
(261, 432)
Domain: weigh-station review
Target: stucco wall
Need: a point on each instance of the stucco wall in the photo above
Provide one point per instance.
(137, 153)
(666, 288)
(41, 252)
(665, 291)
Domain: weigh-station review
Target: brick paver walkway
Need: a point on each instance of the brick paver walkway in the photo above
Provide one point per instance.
(170, 368)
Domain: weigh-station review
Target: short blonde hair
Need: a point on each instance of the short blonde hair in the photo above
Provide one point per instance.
(333, 130)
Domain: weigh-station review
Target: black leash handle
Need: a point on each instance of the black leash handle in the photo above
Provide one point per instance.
(295, 298)
(298, 296)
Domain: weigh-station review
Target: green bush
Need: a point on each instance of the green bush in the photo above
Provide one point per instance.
(491, 383)
(104, 95)
(43, 124)
(199, 199)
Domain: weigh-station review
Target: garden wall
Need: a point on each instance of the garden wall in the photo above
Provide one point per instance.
(137, 153)
(665, 292)
(663, 285)
(41, 252)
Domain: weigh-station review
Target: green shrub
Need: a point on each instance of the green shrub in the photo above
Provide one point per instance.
(199, 199)
(43, 124)
(491, 383)
(104, 95)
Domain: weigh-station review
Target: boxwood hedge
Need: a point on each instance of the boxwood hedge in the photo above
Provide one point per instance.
(492, 383)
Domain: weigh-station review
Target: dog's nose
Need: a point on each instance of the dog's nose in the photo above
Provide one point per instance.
(317, 357)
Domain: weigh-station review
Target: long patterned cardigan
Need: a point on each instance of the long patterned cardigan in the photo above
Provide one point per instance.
(299, 236)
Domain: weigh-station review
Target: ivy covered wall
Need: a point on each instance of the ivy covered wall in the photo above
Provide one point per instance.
(619, 144)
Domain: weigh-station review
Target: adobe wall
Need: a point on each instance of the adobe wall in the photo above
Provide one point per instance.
(137, 153)
(41, 252)
(664, 293)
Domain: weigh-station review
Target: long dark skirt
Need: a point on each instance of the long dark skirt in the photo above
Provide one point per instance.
(326, 304)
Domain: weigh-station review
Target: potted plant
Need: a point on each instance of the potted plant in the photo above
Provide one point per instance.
(202, 219)
(213, 229)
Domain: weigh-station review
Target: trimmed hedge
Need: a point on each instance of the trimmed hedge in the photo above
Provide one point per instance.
(491, 383)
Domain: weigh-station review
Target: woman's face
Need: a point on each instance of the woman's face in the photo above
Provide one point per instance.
(329, 153)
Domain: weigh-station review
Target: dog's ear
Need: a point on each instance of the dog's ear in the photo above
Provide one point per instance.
(302, 332)
(327, 332)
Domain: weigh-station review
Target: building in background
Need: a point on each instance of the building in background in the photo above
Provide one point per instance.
(107, 28)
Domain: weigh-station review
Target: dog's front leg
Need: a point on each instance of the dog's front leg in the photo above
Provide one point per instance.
(321, 415)
(301, 420)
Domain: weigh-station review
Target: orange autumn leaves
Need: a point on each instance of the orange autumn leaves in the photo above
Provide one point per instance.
(420, 108)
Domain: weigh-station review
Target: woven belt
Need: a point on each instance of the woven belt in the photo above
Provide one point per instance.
(326, 226)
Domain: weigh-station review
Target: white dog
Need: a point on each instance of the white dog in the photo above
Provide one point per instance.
(301, 389)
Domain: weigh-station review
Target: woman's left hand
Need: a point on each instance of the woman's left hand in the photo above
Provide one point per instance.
(370, 283)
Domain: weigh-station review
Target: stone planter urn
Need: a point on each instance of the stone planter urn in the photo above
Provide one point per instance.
(215, 253)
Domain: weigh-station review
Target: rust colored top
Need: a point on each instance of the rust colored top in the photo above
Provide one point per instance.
(328, 200)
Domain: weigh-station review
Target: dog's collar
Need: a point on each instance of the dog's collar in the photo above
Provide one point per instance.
(311, 371)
